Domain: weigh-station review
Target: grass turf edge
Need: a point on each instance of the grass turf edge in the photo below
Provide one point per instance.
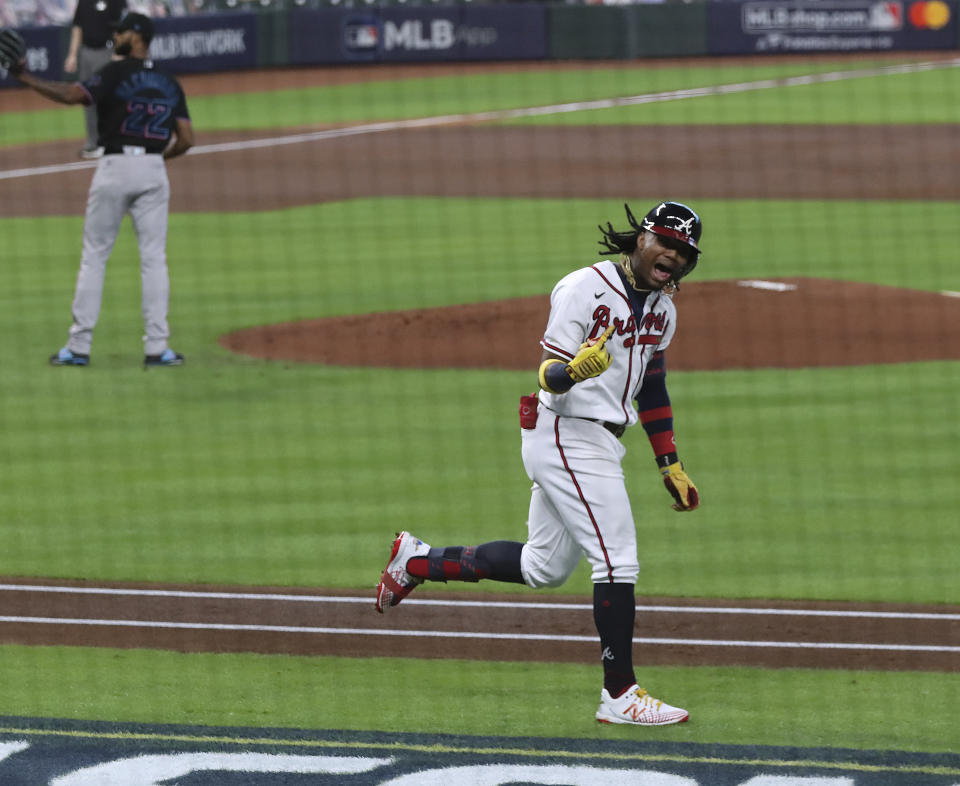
(907, 711)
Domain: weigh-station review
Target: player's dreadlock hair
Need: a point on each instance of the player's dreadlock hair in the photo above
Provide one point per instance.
(620, 242)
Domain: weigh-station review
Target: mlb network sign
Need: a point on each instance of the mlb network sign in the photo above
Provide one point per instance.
(206, 43)
(831, 25)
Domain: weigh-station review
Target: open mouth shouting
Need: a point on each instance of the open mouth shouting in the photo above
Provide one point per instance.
(663, 272)
(658, 261)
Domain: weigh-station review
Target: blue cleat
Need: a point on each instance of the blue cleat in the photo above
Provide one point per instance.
(167, 358)
(67, 358)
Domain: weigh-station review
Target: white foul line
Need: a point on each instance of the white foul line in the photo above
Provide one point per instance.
(510, 114)
(446, 634)
(489, 604)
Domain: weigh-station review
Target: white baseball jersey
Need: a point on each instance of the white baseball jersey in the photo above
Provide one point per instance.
(579, 504)
(583, 304)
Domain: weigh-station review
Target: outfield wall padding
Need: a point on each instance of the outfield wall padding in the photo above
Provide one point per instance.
(627, 32)
(417, 34)
(304, 36)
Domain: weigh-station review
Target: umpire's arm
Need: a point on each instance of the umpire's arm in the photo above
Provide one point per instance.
(183, 140)
(61, 92)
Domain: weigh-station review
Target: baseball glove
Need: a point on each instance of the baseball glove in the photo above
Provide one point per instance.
(13, 51)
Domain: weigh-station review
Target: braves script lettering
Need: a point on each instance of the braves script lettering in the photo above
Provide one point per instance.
(601, 321)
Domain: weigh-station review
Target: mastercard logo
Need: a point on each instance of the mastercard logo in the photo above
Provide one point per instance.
(929, 14)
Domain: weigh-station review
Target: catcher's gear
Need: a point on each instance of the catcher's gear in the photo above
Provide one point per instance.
(668, 219)
(681, 488)
(592, 359)
(13, 51)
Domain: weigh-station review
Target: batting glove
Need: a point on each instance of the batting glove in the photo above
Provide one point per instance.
(592, 359)
(681, 488)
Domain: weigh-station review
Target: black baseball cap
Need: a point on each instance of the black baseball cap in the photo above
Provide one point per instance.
(139, 23)
(676, 220)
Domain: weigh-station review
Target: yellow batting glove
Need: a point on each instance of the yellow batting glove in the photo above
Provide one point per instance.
(592, 359)
(681, 488)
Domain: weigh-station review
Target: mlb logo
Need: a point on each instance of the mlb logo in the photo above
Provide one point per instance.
(886, 16)
(361, 36)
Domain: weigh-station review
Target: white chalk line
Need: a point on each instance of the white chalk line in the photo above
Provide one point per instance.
(770, 286)
(780, 286)
(511, 114)
(447, 634)
(495, 604)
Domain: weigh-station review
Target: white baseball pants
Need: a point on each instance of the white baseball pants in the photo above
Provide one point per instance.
(578, 505)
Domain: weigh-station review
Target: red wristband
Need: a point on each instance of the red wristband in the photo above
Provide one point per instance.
(663, 442)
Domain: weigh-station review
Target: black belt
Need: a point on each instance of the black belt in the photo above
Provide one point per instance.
(129, 150)
(617, 429)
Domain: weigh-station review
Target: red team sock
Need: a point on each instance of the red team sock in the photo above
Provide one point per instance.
(499, 561)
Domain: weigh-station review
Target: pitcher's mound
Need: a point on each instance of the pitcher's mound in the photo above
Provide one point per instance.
(771, 323)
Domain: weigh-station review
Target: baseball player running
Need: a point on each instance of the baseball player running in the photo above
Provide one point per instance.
(603, 348)
(142, 119)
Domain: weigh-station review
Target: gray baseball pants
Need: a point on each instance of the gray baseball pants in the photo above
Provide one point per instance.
(138, 185)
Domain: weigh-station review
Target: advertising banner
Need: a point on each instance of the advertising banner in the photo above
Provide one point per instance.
(797, 26)
(500, 32)
(506, 32)
(331, 35)
(420, 34)
(450, 33)
(45, 54)
(211, 42)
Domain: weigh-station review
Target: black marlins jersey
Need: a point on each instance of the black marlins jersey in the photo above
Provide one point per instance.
(137, 105)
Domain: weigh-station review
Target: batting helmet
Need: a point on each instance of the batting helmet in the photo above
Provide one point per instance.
(668, 219)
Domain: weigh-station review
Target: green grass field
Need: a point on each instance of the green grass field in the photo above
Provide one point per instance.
(848, 709)
(817, 484)
(899, 98)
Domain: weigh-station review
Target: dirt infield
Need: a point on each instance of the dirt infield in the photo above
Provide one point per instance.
(787, 323)
(521, 627)
(775, 162)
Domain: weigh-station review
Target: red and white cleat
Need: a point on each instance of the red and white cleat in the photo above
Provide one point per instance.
(638, 708)
(395, 583)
